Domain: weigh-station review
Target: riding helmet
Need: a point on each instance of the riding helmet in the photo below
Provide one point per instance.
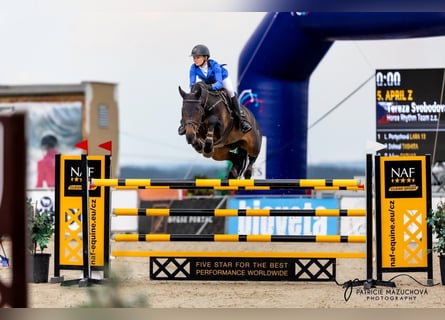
(200, 50)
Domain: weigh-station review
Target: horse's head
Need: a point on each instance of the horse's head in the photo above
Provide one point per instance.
(192, 112)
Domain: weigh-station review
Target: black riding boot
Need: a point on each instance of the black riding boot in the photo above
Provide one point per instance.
(181, 129)
(244, 124)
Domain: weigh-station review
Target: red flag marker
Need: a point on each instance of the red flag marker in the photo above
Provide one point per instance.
(107, 146)
(82, 145)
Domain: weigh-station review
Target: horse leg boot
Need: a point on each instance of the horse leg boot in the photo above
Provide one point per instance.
(243, 123)
(181, 129)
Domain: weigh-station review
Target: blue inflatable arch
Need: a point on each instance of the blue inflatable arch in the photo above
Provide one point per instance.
(277, 61)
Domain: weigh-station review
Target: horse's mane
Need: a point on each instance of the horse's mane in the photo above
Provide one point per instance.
(198, 86)
(201, 86)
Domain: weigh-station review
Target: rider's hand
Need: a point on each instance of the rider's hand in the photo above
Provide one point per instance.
(209, 87)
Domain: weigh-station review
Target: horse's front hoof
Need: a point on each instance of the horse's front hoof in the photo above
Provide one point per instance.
(208, 147)
(190, 138)
(198, 147)
(208, 154)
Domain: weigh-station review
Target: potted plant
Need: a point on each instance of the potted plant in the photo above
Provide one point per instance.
(41, 229)
(436, 219)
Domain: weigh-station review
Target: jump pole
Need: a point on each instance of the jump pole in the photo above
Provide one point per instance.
(238, 238)
(317, 184)
(158, 212)
(232, 184)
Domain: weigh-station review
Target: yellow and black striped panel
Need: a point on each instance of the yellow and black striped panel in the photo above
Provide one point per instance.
(240, 212)
(239, 238)
(233, 184)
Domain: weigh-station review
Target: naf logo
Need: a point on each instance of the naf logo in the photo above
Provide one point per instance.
(74, 179)
(403, 179)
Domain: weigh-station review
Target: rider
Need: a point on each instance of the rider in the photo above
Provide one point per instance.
(216, 77)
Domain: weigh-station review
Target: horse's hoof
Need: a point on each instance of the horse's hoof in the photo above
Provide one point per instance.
(198, 146)
(208, 154)
(190, 138)
(233, 174)
(208, 145)
(208, 150)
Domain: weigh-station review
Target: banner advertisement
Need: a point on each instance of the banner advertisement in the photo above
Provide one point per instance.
(403, 201)
(297, 225)
(69, 211)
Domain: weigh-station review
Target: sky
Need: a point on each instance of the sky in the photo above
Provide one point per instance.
(146, 52)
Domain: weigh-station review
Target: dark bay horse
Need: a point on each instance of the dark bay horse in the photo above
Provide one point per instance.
(212, 131)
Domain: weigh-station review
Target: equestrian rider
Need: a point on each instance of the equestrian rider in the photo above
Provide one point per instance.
(216, 77)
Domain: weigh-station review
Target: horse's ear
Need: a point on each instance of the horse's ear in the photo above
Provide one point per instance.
(181, 92)
(197, 90)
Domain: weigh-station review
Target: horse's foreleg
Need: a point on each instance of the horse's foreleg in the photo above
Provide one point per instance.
(198, 145)
(208, 143)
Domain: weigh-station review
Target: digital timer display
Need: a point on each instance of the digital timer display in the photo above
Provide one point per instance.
(410, 112)
(387, 79)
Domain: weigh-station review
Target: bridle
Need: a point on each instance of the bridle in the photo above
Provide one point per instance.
(203, 108)
(195, 124)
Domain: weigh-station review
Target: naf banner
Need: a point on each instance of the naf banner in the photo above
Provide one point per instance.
(403, 200)
(283, 225)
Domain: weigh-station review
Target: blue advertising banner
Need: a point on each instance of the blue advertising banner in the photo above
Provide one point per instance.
(283, 225)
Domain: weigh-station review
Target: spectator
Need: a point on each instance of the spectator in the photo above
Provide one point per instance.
(46, 166)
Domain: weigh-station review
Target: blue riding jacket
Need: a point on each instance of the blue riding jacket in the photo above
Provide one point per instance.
(216, 73)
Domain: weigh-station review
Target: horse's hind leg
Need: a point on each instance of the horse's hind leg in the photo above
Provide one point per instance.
(238, 160)
(249, 168)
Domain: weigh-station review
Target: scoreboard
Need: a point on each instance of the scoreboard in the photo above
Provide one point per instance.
(409, 112)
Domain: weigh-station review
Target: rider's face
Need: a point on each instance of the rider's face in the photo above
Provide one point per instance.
(198, 60)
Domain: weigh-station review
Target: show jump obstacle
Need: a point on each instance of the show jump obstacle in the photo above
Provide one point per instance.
(402, 194)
